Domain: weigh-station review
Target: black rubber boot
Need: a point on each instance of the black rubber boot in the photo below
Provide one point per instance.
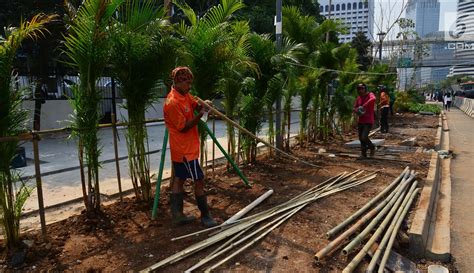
(372, 152)
(176, 202)
(206, 218)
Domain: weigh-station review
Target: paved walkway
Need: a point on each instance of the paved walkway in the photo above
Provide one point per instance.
(461, 136)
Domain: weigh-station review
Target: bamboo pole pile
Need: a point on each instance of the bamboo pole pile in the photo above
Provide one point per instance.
(237, 236)
(382, 217)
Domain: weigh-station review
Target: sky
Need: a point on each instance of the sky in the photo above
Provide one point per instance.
(447, 14)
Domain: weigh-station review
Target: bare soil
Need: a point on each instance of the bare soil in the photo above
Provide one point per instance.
(125, 239)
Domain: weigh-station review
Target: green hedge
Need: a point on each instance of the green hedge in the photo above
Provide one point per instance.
(419, 107)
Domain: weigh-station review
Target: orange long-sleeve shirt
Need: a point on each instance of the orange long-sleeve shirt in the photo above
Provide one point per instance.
(384, 100)
(178, 110)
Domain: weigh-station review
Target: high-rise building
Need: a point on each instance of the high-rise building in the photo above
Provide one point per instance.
(425, 15)
(462, 39)
(357, 15)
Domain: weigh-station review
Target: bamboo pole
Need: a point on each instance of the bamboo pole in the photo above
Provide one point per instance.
(231, 245)
(249, 207)
(160, 175)
(261, 213)
(235, 124)
(334, 244)
(356, 215)
(387, 234)
(117, 165)
(244, 224)
(281, 221)
(357, 240)
(388, 249)
(22, 137)
(39, 185)
(401, 199)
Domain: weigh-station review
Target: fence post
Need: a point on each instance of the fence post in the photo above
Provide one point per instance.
(114, 132)
(39, 186)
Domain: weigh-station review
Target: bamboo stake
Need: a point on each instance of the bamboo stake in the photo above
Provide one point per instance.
(39, 185)
(353, 264)
(356, 215)
(156, 201)
(235, 124)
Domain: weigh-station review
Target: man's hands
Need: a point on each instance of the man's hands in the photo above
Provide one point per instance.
(204, 108)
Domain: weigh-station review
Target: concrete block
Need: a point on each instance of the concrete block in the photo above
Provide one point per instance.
(356, 143)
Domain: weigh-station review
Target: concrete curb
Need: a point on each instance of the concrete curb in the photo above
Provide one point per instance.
(429, 233)
(418, 232)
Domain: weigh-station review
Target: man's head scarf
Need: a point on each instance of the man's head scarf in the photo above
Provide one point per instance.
(181, 74)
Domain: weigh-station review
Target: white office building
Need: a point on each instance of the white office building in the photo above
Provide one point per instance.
(357, 15)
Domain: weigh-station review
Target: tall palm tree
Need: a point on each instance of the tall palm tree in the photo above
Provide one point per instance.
(87, 45)
(13, 121)
(143, 52)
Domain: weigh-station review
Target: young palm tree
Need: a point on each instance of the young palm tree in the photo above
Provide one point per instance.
(309, 87)
(87, 45)
(215, 43)
(283, 62)
(305, 29)
(232, 79)
(143, 52)
(13, 122)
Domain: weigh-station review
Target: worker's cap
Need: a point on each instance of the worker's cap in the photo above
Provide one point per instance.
(361, 86)
(182, 74)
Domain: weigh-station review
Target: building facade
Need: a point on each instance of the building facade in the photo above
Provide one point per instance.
(425, 15)
(462, 39)
(357, 15)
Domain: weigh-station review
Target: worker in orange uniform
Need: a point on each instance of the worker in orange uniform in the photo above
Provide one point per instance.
(181, 122)
(384, 105)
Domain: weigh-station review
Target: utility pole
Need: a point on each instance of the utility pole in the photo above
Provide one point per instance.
(329, 17)
(278, 33)
(381, 37)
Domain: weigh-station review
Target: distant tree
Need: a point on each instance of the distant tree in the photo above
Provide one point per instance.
(362, 44)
